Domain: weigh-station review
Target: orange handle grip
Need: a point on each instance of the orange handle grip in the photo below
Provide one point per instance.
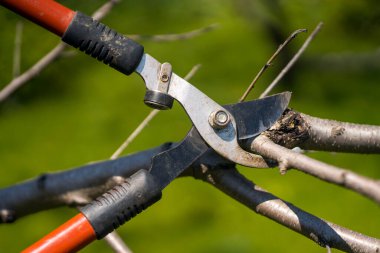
(47, 13)
(73, 235)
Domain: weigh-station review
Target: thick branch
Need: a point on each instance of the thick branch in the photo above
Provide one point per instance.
(72, 187)
(262, 202)
(329, 135)
(290, 159)
(296, 129)
(79, 185)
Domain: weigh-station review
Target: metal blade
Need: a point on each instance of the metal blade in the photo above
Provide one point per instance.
(256, 116)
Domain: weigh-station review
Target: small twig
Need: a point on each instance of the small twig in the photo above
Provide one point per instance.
(174, 37)
(292, 61)
(17, 49)
(117, 244)
(367, 187)
(104, 9)
(270, 61)
(134, 134)
(192, 72)
(147, 119)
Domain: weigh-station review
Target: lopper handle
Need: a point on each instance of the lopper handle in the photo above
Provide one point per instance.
(102, 216)
(121, 203)
(103, 43)
(82, 32)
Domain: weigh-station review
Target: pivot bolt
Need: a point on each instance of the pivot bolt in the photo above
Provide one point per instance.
(219, 119)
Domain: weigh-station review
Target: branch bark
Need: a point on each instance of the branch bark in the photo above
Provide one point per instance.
(289, 159)
(296, 129)
(78, 186)
(71, 187)
(322, 232)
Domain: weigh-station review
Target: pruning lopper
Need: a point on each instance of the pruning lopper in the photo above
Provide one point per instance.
(220, 128)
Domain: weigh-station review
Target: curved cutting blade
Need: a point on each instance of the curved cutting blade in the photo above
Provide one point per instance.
(256, 116)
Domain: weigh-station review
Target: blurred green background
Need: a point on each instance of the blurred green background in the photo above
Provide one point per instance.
(77, 111)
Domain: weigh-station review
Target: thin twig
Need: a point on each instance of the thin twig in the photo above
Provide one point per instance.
(367, 187)
(104, 9)
(135, 133)
(147, 119)
(117, 244)
(269, 62)
(292, 61)
(174, 37)
(17, 49)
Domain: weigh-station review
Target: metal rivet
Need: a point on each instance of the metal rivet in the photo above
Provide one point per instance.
(219, 119)
(164, 78)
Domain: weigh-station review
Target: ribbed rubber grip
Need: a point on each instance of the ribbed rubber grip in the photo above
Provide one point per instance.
(103, 43)
(121, 203)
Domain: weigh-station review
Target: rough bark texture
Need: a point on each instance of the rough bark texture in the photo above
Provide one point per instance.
(296, 129)
(71, 187)
(262, 202)
(289, 159)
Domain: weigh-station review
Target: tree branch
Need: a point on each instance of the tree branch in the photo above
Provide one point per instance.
(296, 129)
(70, 187)
(262, 202)
(79, 185)
(290, 159)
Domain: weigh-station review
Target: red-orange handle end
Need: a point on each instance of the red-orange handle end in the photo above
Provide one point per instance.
(73, 235)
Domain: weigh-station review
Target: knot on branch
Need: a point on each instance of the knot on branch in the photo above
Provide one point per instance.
(289, 130)
(283, 166)
(337, 131)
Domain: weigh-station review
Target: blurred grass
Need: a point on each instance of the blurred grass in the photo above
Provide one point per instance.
(79, 111)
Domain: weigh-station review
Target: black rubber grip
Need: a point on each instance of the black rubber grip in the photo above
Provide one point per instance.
(121, 203)
(103, 43)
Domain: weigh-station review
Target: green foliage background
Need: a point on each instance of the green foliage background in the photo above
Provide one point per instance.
(77, 111)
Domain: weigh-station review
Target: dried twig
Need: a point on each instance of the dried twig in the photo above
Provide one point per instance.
(117, 244)
(289, 159)
(17, 49)
(134, 134)
(174, 37)
(105, 9)
(269, 62)
(292, 61)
